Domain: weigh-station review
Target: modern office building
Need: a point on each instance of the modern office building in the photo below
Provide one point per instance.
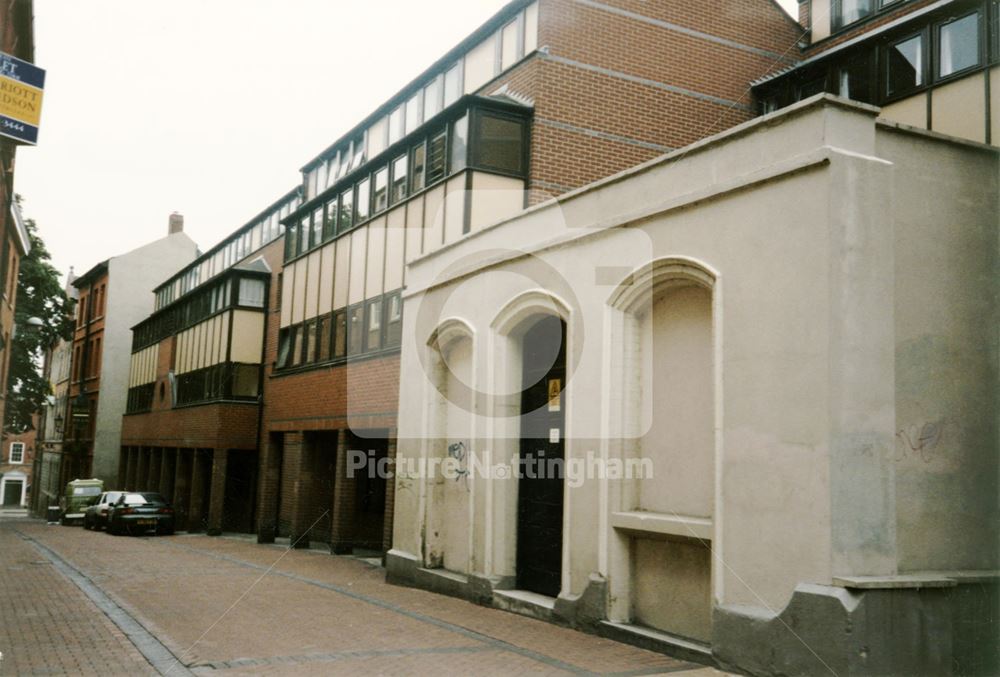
(112, 296)
(930, 64)
(193, 418)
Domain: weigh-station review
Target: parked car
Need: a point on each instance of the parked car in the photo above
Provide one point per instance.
(78, 496)
(138, 512)
(96, 515)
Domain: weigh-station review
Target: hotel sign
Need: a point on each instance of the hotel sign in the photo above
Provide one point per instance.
(21, 85)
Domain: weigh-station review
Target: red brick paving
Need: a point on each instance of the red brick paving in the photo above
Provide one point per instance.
(311, 614)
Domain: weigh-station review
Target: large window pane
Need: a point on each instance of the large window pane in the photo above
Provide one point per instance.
(362, 205)
(317, 227)
(854, 78)
(309, 344)
(339, 333)
(373, 325)
(355, 330)
(419, 155)
(958, 45)
(397, 125)
(330, 224)
(346, 210)
(251, 293)
(853, 10)
(394, 321)
(500, 143)
(432, 97)
(905, 65)
(509, 44)
(413, 112)
(453, 84)
(304, 243)
(399, 176)
(380, 197)
(324, 338)
(297, 335)
(436, 158)
(459, 143)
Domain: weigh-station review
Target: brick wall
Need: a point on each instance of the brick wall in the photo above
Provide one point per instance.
(618, 83)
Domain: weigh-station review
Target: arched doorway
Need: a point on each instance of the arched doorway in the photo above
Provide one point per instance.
(541, 454)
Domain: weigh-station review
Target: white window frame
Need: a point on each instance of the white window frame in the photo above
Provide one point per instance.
(10, 453)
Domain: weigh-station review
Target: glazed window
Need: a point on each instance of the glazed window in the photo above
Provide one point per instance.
(373, 325)
(399, 178)
(853, 10)
(500, 143)
(437, 158)
(397, 124)
(381, 195)
(317, 227)
(17, 452)
(346, 210)
(330, 223)
(339, 333)
(432, 97)
(298, 337)
(904, 65)
(459, 143)
(509, 47)
(393, 320)
(323, 339)
(413, 112)
(362, 206)
(355, 330)
(418, 162)
(855, 78)
(303, 234)
(291, 242)
(284, 348)
(453, 84)
(251, 293)
(309, 343)
(958, 45)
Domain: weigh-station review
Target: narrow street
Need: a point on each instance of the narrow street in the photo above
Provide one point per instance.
(79, 602)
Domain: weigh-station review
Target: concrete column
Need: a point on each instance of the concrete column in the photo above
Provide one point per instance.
(390, 493)
(168, 459)
(130, 473)
(182, 487)
(122, 467)
(344, 501)
(269, 489)
(216, 503)
(155, 460)
(293, 468)
(196, 513)
(142, 470)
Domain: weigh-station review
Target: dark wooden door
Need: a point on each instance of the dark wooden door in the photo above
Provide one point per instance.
(12, 493)
(540, 490)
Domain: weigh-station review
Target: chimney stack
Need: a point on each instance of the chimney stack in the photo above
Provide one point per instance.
(176, 223)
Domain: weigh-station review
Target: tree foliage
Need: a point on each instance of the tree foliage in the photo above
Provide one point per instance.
(39, 294)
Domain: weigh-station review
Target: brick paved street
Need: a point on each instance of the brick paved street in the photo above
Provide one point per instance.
(78, 602)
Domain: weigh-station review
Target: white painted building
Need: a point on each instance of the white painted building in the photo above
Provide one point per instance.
(793, 325)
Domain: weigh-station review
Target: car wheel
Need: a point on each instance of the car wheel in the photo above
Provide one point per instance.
(86, 523)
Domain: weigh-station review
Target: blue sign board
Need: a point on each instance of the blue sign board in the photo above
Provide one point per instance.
(21, 87)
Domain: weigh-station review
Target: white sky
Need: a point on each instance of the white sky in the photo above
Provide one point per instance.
(207, 107)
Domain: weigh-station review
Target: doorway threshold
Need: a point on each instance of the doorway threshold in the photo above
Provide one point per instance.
(526, 603)
(655, 640)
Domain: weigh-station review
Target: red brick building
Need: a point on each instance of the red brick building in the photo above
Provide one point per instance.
(16, 39)
(17, 455)
(192, 421)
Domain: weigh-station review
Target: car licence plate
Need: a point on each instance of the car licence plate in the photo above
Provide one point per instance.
(145, 522)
